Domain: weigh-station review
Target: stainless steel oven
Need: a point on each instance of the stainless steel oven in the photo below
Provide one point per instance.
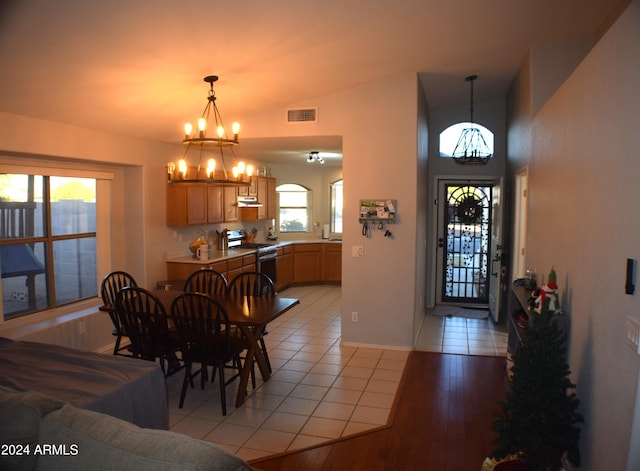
(267, 254)
(268, 262)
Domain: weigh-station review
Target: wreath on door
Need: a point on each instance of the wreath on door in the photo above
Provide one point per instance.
(469, 210)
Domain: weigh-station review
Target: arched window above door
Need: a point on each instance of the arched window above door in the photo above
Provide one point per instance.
(449, 137)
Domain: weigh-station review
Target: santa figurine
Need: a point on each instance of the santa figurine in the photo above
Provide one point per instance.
(547, 295)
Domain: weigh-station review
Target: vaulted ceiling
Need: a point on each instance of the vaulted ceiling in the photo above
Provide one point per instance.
(136, 67)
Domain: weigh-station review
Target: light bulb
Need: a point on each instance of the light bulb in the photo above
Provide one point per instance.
(234, 170)
(211, 167)
(235, 128)
(241, 167)
(202, 124)
(249, 170)
(220, 132)
(188, 128)
(182, 168)
(171, 167)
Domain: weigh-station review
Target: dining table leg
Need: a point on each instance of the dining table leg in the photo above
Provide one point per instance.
(254, 354)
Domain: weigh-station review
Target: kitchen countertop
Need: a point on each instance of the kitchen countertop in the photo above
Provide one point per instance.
(219, 256)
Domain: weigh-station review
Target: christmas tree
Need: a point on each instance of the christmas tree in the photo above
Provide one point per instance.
(539, 418)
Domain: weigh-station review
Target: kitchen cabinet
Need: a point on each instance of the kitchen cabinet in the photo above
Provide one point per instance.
(332, 262)
(230, 200)
(271, 198)
(181, 271)
(238, 265)
(307, 263)
(215, 204)
(284, 267)
(304, 263)
(186, 204)
(251, 190)
(229, 267)
(192, 204)
(262, 197)
(265, 192)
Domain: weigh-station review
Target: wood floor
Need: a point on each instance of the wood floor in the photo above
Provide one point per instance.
(442, 422)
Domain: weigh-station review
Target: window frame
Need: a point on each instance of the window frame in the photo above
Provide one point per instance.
(332, 206)
(308, 207)
(103, 181)
(487, 134)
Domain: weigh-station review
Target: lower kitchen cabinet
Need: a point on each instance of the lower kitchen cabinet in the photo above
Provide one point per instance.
(307, 263)
(229, 268)
(332, 262)
(284, 267)
(238, 265)
(310, 263)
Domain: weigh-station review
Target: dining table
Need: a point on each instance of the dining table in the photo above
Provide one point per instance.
(250, 314)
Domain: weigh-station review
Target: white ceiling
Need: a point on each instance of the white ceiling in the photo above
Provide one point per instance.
(135, 67)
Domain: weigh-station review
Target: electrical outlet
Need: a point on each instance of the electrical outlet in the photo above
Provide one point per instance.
(354, 316)
(82, 327)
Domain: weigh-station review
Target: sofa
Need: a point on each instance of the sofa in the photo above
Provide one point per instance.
(39, 432)
(122, 387)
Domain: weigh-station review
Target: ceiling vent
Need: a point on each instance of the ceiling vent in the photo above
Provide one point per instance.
(302, 115)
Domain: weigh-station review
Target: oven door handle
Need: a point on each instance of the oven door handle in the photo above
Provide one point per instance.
(270, 256)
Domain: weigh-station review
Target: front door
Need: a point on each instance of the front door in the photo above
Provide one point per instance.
(496, 280)
(464, 238)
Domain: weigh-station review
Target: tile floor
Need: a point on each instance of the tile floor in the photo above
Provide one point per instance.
(462, 336)
(319, 390)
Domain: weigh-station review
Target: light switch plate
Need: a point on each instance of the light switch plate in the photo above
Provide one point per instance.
(632, 334)
(357, 251)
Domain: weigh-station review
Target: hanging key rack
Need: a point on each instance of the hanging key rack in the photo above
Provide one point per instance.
(377, 214)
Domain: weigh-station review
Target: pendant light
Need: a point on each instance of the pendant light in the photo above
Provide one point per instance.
(471, 147)
(206, 146)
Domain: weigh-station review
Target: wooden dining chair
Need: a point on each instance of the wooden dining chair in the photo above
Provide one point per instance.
(206, 281)
(203, 327)
(254, 284)
(146, 322)
(111, 284)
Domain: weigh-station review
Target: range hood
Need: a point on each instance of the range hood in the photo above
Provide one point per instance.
(248, 202)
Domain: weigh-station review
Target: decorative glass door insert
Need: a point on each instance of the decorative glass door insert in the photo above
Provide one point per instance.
(467, 230)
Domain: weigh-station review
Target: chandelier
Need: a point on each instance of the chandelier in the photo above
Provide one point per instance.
(314, 156)
(471, 147)
(207, 146)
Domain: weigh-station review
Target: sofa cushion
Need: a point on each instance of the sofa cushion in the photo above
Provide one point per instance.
(91, 440)
(20, 415)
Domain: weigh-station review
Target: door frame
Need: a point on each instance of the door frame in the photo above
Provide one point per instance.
(432, 245)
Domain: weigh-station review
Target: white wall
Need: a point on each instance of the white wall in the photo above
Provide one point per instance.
(378, 125)
(583, 219)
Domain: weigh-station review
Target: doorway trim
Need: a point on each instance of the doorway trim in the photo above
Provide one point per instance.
(432, 244)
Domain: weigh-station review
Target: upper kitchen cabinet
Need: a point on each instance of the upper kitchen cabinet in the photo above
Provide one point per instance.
(230, 199)
(271, 198)
(265, 192)
(193, 204)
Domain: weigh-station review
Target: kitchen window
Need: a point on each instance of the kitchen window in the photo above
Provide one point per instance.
(48, 239)
(294, 203)
(336, 207)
